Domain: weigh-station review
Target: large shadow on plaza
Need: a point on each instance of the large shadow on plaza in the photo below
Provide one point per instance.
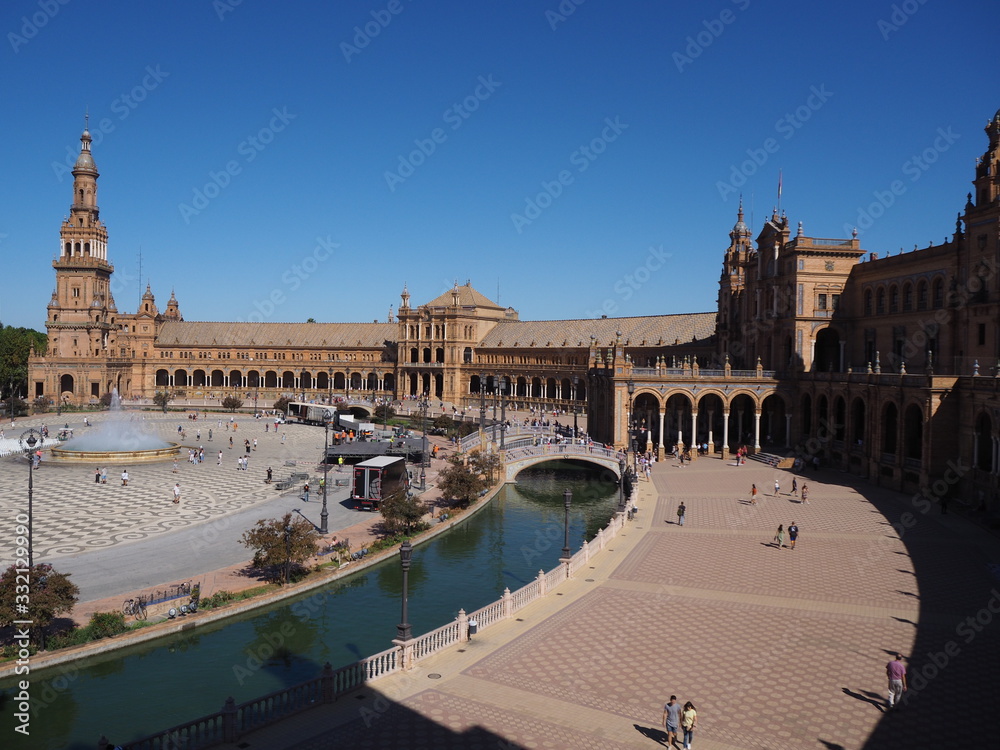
(368, 719)
(956, 651)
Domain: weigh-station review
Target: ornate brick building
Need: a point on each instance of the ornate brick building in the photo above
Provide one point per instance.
(886, 366)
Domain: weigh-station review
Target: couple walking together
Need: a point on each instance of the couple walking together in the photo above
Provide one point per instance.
(675, 717)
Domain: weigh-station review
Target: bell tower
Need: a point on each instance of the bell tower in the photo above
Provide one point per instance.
(82, 312)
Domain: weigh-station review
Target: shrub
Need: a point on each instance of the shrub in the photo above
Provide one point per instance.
(106, 624)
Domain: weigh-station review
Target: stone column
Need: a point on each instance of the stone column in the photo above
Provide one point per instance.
(843, 345)
(756, 430)
(694, 433)
(725, 434)
(788, 430)
(659, 449)
(711, 424)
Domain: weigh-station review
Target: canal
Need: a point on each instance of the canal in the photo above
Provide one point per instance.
(140, 690)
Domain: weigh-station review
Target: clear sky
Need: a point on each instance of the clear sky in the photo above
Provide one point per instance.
(281, 161)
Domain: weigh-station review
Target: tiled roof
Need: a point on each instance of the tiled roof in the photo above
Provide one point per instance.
(652, 330)
(331, 335)
(467, 297)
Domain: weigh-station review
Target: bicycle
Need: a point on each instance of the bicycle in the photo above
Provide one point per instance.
(135, 607)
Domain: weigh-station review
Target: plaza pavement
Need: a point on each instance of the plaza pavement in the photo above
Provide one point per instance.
(777, 648)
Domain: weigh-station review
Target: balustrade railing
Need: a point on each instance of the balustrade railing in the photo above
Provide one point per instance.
(236, 720)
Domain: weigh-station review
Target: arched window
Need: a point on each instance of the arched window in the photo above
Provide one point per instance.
(894, 298)
(907, 297)
(868, 302)
(922, 295)
(880, 301)
(938, 293)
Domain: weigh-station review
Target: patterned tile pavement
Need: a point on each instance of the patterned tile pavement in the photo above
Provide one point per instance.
(74, 514)
(777, 648)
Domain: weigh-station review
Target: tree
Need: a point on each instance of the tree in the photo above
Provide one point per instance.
(40, 404)
(282, 404)
(486, 464)
(161, 399)
(400, 512)
(281, 545)
(384, 412)
(232, 403)
(460, 482)
(41, 591)
(311, 320)
(105, 401)
(443, 422)
(15, 347)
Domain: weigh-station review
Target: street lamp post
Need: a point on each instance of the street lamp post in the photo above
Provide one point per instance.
(27, 442)
(405, 554)
(374, 388)
(324, 516)
(576, 382)
(482, 402)
(503, 410)
(628, 423)
(567, 501)
(496, 394)
(423, 442)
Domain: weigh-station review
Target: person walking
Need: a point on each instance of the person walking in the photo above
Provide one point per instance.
(104, 475)
(220, 459)
(777, 488)
(671, 719)
(97, 475)
(753, 494)
(230, 442)
(681, 513)
(896, 672)
(305, 489)
(689, 722)
(124, 477)
(779, 536)
(793, 534)
(269, 474)
(805, 494)
(795, 486)
(177, 493)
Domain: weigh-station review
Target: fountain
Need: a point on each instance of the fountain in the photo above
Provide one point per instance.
(121, 439)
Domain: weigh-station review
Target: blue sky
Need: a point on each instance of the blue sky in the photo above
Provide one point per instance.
(280, 161)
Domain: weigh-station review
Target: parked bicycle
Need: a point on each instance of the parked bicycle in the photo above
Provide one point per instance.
(135, 607)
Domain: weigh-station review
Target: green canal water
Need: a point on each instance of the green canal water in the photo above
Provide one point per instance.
(175, 679)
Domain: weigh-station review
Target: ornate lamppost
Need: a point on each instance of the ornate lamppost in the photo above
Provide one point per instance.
(324, 515)
(503, 410)
(576, 382)
(423, 442)
(567, 501)
(405, 554)
(629, 443)
(27, 442)
(482, 402)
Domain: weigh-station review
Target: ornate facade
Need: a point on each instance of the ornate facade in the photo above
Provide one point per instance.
(885, 366)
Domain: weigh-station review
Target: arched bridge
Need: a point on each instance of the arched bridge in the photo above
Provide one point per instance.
(516, 459)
